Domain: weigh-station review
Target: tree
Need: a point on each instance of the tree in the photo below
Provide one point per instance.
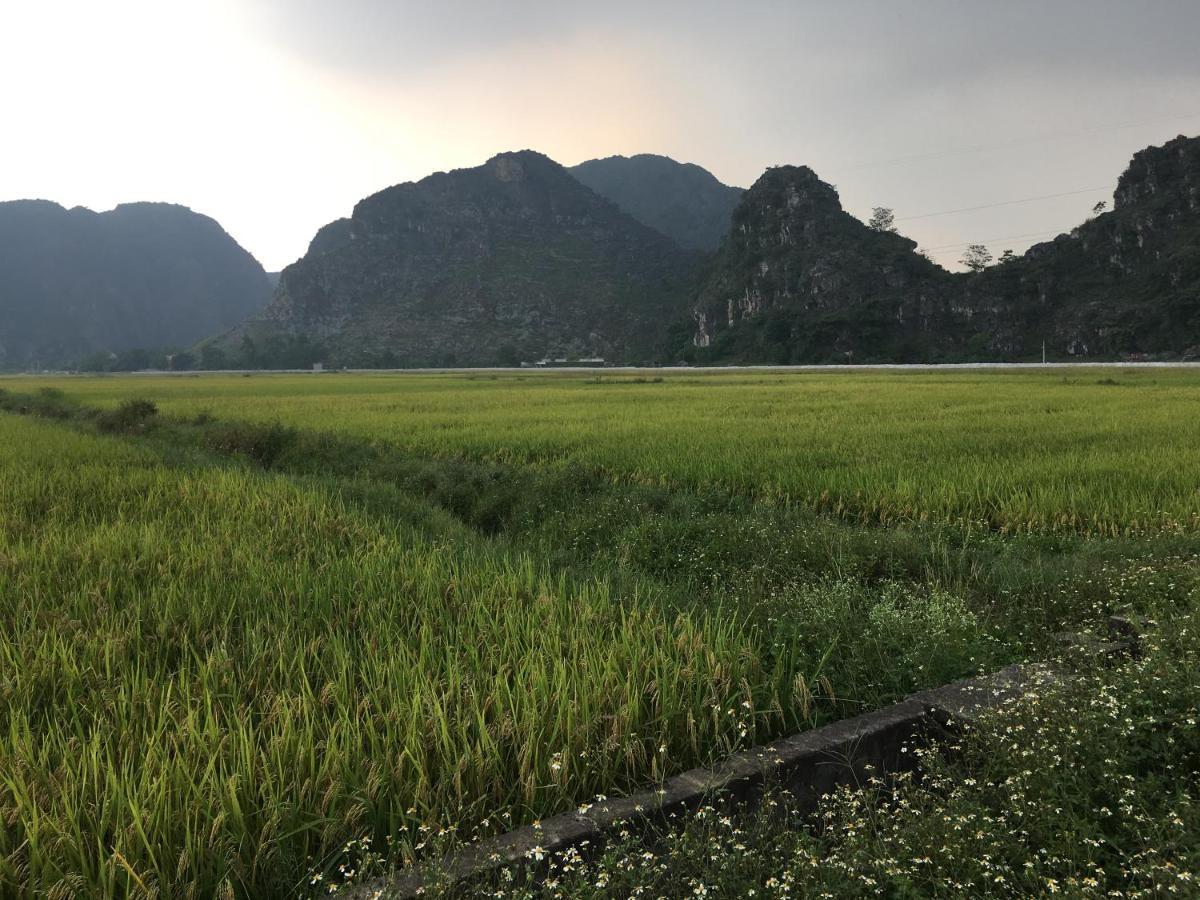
(882, 219)
(1099, 208)
(212, 357)
(134, 360)
(508, 355)
(249, 353)
(1007, 256)
(976, 257)
(182, 361)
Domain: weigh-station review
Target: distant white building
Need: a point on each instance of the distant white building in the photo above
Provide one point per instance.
(563, 362)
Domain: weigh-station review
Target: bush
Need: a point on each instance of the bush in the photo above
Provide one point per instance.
(261, 443)
(130, 417)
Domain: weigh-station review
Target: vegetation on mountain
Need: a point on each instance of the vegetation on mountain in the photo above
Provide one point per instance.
(520, 259)
(76, 284)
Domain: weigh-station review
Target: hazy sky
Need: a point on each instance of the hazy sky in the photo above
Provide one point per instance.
(276, 116)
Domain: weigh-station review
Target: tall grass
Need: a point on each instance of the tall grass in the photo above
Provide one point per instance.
(209, 676)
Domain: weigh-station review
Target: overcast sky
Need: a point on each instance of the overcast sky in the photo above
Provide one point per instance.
(276, 116)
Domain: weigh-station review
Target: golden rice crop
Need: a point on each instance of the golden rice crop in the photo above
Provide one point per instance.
(210, 675)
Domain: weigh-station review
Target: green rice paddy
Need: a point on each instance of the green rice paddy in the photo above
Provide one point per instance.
(468, 600)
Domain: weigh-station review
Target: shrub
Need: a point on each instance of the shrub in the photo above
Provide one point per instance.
(261, 443)
(130, 417)
(50, 403)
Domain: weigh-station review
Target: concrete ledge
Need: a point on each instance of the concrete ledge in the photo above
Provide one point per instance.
(809, 765)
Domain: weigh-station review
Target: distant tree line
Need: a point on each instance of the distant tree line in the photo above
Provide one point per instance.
(273, 352)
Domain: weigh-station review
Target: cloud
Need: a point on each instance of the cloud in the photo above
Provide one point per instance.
(275, 116)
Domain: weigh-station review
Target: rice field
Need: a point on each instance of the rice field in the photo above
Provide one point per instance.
(1098, 451)
(215, 673)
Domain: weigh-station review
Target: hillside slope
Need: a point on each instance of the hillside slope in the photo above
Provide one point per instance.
(148, 275)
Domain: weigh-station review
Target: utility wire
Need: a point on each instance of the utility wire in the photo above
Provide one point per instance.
(947, 212)
(1010, 237)
(1020, 142)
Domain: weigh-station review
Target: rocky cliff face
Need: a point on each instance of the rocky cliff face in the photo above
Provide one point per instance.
(509, 261)
(800, 280)
(681, 200)
(74, 282)
(1126, 282)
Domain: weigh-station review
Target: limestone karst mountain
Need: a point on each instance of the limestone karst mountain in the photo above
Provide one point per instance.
(800, 280)
(512, 260)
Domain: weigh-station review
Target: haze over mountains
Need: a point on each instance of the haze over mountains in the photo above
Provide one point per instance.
(144, 275)
(636, 260)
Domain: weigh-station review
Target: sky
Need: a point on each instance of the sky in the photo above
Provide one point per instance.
(276, 116)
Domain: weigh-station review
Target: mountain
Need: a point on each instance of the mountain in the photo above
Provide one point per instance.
(1125, 282)
(681, 200)
(801, 280)
(144, 275)
(512, 260)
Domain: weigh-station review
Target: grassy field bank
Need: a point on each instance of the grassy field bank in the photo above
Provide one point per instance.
(420, 602)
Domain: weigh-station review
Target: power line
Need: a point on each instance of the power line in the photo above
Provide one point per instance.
(947, 212)
(1010, 237)
(1020, 142)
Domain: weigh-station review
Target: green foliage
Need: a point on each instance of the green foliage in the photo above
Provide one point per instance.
(976, 257)
(882, 219)
(261, 443)
(272, 351)
(130, 416)
(213, 356)
(47, 402)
